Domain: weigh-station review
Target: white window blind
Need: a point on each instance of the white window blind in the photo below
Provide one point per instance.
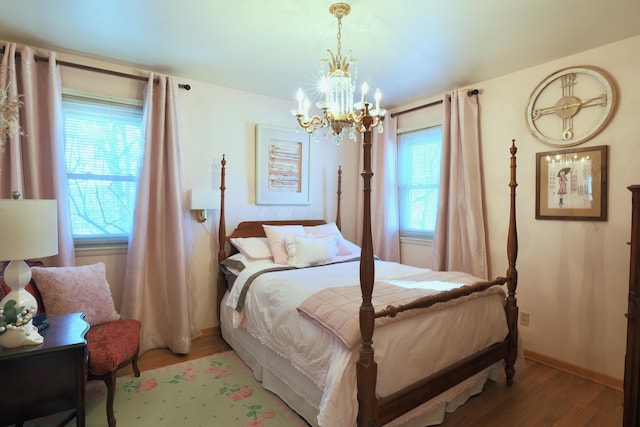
(103, 151)
(419, 153)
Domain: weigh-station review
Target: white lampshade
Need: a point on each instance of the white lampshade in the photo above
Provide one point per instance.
(28, 229)
(201, 200)
(204, 199)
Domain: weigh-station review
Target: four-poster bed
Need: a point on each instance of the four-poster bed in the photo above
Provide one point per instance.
(383, 392)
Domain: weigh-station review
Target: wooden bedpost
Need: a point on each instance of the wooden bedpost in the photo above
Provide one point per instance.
(338, 214)
(222, 234)
(512, 274)
(367, 369)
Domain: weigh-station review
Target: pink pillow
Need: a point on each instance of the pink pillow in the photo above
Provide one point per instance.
(76, 289)
(330, 229)
(276, 236)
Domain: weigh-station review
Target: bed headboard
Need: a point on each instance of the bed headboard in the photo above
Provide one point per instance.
(254, 228)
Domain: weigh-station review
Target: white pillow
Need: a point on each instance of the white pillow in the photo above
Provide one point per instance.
(330, 229)
(252, 247)
(276, 236)
(351, 247)
(306, 251)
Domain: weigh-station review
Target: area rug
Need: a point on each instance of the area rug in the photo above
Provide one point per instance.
(217, 390)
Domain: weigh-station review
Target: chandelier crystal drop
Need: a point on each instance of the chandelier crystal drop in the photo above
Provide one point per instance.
(338, 111)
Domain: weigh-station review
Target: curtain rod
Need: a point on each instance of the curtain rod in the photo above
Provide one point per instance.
(431, 104)
(98, 70)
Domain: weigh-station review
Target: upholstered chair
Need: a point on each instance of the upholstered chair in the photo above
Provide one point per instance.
(111, 346)
(112, 342)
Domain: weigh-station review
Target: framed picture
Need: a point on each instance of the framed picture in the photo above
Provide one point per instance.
(282, 166)
(572, 184)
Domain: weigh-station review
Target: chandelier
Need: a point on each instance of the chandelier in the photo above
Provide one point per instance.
(9, 123)
(337, 86)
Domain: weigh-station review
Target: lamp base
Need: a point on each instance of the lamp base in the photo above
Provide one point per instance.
(23, 335)
(18, 309)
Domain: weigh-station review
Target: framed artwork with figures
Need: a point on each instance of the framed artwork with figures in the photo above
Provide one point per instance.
(572, 184)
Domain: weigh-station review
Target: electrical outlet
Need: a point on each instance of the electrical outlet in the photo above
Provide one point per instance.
(524, 318)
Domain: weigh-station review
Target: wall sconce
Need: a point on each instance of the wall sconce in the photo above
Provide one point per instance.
(201, 200)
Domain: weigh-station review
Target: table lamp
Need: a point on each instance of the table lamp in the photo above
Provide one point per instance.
(28, 230)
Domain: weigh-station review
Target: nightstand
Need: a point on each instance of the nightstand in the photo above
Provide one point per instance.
(39, 380)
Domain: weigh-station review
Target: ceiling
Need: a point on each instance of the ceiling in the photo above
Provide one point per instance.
(411, 49)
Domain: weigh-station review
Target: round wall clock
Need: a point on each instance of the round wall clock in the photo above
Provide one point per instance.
(571, 106)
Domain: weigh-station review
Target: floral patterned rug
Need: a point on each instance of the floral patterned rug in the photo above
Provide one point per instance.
(218, 390)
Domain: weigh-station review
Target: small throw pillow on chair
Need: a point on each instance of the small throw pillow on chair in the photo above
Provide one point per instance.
(76, 289)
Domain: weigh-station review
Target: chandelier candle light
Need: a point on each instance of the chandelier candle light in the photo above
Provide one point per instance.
(337, 87)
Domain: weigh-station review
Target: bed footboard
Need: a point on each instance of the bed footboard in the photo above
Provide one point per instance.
(444, 296)
(374, 411)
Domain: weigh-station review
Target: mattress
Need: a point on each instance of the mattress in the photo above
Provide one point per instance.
(315, 373)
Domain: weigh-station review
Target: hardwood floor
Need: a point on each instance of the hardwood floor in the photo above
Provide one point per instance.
(201, 347)
(540, 396)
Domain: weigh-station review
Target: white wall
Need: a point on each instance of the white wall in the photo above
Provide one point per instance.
(218, 121)
(573, 274)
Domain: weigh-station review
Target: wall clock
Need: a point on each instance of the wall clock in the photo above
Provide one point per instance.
(571, 106)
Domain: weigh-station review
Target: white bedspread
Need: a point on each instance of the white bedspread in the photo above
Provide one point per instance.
(428, 343)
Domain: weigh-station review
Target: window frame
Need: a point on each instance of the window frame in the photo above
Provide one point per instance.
(101, 243)
(419, 238)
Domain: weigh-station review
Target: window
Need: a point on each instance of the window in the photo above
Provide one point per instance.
(419, 180)
(103, 153)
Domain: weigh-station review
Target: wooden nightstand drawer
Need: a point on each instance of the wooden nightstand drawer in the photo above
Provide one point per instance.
(44, 379)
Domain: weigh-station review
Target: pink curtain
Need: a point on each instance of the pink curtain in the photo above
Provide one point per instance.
(385, 225)
(460, 243)
(160, 275)
(32, 161)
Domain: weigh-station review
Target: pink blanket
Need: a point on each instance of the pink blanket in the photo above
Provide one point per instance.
(336, 309)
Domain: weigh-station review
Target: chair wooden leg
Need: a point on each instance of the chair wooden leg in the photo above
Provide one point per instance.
(110, 382)
(134, 364)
